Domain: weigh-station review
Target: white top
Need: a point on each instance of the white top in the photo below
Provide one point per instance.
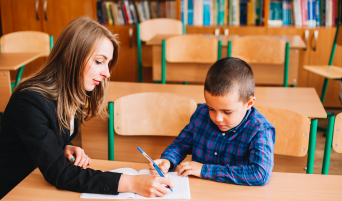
(72, 125)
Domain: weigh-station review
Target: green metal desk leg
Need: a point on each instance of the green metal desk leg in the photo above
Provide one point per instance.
(328, 142)
(20, 72)
(324, 90)
(111, 131)
(229, 49)
(184, 29)
(163, 78)
(139, 54)
(312, 146)
(51, 42)
(219, 50)
(286, 65)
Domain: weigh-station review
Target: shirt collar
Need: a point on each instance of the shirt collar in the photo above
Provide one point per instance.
(242, 122)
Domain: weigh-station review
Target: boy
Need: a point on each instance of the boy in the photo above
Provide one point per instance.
(230, 141)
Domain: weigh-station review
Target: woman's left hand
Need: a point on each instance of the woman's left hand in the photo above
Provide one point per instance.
(72, 152)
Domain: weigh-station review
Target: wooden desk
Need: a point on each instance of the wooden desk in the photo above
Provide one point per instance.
(283, 186)
(264, 74)
(10, 62)
(301, 100)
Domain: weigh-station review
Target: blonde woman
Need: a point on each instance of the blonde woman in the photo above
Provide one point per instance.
(42, 117)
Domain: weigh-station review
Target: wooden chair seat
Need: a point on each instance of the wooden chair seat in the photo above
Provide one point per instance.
(295, 135)
(267, 53)
(337, 139)
(26, 41)
(292, 130)
(150, 28)
(152, 114)
(5, 92)
(330, 72)
(194, 48)
(259, 49)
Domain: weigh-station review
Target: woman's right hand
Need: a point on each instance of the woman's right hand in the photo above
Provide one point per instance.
(145, 185)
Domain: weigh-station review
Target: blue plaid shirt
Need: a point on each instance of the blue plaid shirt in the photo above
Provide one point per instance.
(242, 155)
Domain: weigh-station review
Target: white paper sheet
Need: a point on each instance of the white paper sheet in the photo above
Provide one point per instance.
(181, 189)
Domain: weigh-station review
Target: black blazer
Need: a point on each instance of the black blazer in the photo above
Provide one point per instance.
(30, 137)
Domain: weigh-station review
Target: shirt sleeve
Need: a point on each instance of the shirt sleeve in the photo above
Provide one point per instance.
(43, 146)
(181, 146)
(259, 170)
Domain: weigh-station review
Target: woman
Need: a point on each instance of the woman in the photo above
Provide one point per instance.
(42, 117)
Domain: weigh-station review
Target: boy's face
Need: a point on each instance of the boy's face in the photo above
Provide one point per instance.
(227, 111)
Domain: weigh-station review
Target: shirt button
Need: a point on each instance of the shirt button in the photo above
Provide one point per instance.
(106, 188)
(223, 134)
(234, 131)
(215, 153)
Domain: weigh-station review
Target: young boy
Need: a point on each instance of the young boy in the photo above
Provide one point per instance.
(230, 141)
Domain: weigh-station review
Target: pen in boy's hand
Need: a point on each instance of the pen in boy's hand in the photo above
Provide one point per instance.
(154, 165)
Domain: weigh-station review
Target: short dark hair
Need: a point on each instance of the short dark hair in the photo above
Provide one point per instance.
(229, 74)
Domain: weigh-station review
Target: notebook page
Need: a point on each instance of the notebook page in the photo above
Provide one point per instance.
(129, 171)
(180, 191)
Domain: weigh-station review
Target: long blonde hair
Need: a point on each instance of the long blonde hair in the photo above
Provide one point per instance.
(61, 77)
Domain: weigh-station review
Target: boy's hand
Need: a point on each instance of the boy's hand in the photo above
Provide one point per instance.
(190, 168)
(163, 164)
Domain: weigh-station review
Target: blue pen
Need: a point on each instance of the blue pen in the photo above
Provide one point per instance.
(154, 165)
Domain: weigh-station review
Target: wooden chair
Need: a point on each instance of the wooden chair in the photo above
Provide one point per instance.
(189, 49)
(333, 139)
(295, 135)
(261, 50)
(147, 30)
(148, 114)
(26, 41)
(328, 71)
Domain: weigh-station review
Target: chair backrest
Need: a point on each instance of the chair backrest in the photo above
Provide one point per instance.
(191, 49)
(292, 130)
(26, 41)
(259, 49)
(337, 139)
(152, 114)
(149, 28)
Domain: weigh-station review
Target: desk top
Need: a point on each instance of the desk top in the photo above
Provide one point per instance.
(302, 100)
(13, 61)
(283, 186)
(296, 42)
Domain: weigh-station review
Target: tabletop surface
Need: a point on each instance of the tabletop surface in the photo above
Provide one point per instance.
(302, 100)
(295, 41)
(283, 186)
(13, 61)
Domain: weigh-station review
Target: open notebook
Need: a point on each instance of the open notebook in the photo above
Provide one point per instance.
(180, 191)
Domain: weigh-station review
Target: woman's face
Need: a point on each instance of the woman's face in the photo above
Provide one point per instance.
(96, 68)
